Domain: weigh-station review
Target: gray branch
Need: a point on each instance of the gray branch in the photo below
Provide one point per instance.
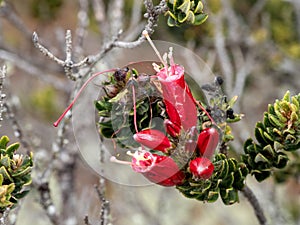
(2, 95)
(67, 64)
(47, 203)
(7, 12)
(255, 205)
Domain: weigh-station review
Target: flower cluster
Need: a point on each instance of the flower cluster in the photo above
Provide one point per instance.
(166, 167)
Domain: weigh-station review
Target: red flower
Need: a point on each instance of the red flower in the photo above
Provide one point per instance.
(178, 99)
(153, 139)
(157, 169)
(201, 168)
(208, 141)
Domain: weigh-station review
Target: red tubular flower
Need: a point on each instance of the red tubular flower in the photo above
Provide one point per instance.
(208, 141)
(153, 139)
(157, 169)
(201, 168)
(178, 99)
(172, 128)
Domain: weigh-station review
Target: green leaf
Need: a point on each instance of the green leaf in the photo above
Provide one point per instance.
(12, 148)
(198, 8)
(190, 17)
(185, 6)
(171, 22)
(199, 19)
(182, 17)
(5, 174)
(22, 172)
(5, 161)
(3, 142)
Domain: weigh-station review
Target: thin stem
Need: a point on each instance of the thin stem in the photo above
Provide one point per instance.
(255, 205)
(77, 95)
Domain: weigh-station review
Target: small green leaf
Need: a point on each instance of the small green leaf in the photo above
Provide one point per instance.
(199, 19)
(198, 8)
(5, 174)
(12, 148)
(3, 142)
(185, 6)
(171, 22)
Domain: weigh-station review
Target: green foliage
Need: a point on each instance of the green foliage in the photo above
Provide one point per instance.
(228, 178)
(185, 11)
(277, 135)
(45, 9)
(15, 173)
(117, 108)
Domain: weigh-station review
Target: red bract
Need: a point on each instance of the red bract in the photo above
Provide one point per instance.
(153, 139)
(178, 99)
(157, 169)
(208, 141)
(201, 168)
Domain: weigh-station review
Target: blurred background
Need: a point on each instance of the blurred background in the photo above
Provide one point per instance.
(253, 44)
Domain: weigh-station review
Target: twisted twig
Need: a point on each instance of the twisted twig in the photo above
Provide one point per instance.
(2, 95)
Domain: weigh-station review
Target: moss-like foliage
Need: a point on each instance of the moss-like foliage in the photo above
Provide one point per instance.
(277, 136)
(15, 173)
(185, 11)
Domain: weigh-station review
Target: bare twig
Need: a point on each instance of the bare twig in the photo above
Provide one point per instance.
(223, 56)
(2, 95)
(32, 70)
(7, 12)
(116, 15)
(18, 132)
(83, 22)
(255, 205)
(67, 64)
(46, 202)
(105, 205)
(86, 220)
(152, 17)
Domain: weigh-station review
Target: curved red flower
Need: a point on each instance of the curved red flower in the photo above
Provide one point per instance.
(157, 169)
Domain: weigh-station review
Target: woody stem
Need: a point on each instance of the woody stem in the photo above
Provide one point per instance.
(255, 205)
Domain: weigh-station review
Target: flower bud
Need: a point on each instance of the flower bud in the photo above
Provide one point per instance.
(208, 141)
(201, 168)
(153, 139)
(172, 128)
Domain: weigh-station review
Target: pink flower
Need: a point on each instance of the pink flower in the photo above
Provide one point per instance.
(201, 168)
(157, 169)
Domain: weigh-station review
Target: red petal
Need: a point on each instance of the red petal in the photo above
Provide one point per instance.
(153, 139)
(208, 141)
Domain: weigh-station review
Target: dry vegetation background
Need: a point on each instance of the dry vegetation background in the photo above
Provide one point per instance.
(254, 45)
